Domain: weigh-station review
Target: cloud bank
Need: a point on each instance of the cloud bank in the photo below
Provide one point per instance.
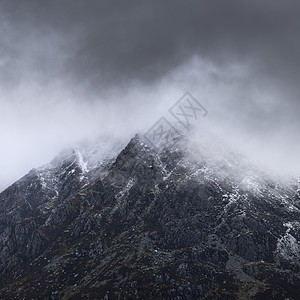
(75, 69)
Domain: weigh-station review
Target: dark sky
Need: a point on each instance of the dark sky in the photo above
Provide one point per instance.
(112, 42)
(240, 57)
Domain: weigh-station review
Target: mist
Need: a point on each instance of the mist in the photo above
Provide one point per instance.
(72, 70)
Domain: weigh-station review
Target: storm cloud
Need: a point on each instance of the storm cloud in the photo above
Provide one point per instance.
(104, 62)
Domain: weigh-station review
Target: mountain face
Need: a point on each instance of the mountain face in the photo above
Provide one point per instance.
(148, 224)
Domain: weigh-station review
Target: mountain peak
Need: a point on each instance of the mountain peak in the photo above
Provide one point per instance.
(154, 217)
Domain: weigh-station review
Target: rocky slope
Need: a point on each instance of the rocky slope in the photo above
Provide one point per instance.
(150, 225)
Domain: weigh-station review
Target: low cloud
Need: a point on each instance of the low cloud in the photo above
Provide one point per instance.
(72, 69)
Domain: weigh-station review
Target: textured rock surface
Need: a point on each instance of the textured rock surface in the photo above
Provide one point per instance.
(149, 225)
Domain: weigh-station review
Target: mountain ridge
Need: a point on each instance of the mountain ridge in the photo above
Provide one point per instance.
(151, 224)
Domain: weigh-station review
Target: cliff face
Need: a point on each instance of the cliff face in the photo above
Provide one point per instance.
(149, 225)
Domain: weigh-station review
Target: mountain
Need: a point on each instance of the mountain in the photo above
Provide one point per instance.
(150, 224)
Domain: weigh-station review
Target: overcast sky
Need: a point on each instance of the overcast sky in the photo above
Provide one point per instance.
(74, 69)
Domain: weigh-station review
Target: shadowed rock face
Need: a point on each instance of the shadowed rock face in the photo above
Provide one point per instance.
(149, 225)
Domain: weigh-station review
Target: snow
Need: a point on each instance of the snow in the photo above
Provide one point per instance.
(254, 184)
(43, 182)
(126, 189)
(122, 193)
(287, 246)
(81, 162)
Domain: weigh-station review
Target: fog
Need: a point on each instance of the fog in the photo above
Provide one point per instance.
(71, 70)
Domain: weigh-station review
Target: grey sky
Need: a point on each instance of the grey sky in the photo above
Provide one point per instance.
(104, 42)
(85, 58)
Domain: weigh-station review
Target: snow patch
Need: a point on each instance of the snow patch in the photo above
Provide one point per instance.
(288, 247)
(126, 189)
(81, 162)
